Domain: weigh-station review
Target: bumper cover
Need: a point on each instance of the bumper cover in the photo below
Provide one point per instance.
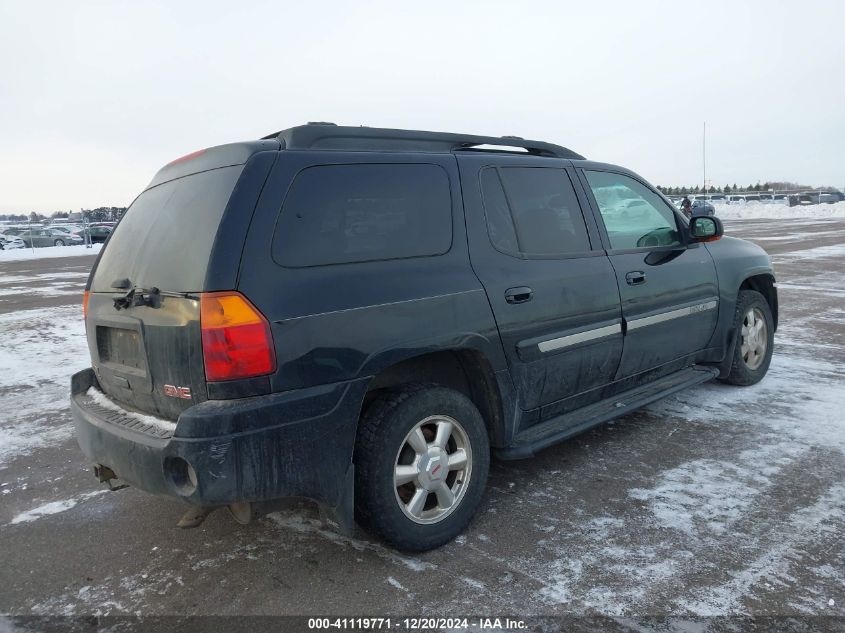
(292, 444)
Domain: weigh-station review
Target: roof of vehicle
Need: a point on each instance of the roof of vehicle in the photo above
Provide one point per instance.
(321, 136)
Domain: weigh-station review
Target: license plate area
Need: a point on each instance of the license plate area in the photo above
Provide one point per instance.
(120, 347)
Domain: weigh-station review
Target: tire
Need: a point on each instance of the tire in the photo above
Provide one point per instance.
(416, 515)
(751, 362)
(59, 242)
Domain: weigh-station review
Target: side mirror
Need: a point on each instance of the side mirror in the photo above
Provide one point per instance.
(705, 228)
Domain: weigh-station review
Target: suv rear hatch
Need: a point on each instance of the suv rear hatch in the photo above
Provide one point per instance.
(143, 295)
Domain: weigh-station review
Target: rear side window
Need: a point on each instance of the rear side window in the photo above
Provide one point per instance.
(336, 214)
(533, 211)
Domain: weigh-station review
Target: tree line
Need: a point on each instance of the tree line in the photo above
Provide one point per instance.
(766, 186)
(100, 214)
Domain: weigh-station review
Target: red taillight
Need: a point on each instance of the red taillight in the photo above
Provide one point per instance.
(236, 338)
(85, 305)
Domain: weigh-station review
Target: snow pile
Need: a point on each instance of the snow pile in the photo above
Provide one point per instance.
(100, 398)
(48, 252)
(755, 210)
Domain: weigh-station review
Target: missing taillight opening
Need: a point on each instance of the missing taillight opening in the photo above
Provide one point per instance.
(236, 338)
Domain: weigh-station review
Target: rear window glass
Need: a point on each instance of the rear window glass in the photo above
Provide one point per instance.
(533, 211)
(165, 237)
(335, 214)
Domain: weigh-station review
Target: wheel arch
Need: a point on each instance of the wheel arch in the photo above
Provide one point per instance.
(764, 284)
(465, 370)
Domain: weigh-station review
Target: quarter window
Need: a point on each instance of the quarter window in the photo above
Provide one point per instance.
(337, 214)
(533, 211)
(634, 215)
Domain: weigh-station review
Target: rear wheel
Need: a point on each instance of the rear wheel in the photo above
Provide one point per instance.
(755, 339)
(59, 242)
(422, 456)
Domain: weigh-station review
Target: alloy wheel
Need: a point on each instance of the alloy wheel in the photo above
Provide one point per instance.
(432, 469)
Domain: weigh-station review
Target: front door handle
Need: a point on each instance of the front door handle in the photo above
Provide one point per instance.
(635, 278)
(521, 294)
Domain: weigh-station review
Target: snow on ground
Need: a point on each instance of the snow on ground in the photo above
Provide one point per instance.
(53, 507)
(756, 210)
(41, 348)
(708, 501)
(48, 252)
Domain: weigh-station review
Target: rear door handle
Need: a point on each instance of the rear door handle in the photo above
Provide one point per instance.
(635, 278)
(521, 294)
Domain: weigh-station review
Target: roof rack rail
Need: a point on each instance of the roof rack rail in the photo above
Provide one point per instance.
(321, 135)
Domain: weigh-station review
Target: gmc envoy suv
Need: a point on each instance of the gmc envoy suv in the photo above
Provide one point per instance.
(362, 316)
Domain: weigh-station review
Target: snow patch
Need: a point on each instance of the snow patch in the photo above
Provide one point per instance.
(48, 252)
(102, 400)
(395, 583)
(54, 507)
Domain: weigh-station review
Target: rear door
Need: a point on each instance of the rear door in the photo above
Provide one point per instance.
(552, 289)
(143, 308)
(669, 291)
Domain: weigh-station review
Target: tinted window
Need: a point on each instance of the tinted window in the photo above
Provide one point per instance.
(533, 211)
(165, 237)
(634, 215)
(355, 213)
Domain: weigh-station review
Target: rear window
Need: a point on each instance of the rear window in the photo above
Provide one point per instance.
(337, 214)
(165, 237)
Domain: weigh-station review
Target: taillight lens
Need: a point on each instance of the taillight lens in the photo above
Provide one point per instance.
(85, 305)
(236, 338)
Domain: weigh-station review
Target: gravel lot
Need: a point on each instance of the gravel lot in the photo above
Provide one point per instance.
(717, 501)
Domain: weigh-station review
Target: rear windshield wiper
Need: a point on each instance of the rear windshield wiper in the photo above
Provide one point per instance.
(137, 296)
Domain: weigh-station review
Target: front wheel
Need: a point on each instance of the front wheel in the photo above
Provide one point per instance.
(59, 242)
(421, 457)
(755, 339)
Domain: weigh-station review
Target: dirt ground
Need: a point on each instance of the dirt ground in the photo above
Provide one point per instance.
(717, 501)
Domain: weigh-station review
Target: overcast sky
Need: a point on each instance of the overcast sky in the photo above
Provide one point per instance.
(96, 96)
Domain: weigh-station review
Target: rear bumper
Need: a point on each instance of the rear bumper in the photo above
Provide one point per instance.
(292, 444)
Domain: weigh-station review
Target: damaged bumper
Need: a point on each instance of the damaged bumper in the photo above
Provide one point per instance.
(221, 452)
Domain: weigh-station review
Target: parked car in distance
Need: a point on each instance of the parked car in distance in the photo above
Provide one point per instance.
(702, 207)
(359, 316)
(99, 233)
(9, 242)
(48, 237)
(736, 199)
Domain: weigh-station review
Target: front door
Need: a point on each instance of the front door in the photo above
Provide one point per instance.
(551, 287)
(669, 290)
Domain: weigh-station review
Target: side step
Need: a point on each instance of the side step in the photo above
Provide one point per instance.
(570, 424)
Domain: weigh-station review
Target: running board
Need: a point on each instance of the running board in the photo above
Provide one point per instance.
(562, 427)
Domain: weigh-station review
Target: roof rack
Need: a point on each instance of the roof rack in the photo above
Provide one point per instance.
(321, 135)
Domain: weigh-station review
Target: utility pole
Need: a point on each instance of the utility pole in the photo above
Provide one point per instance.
(704, 156)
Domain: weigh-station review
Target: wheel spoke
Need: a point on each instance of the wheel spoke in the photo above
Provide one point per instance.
(744, 350)
(417, 503)
(444, 432)
(744, 331)
(445, 498)
(404, 474)
(458, 460)
(417, 441)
